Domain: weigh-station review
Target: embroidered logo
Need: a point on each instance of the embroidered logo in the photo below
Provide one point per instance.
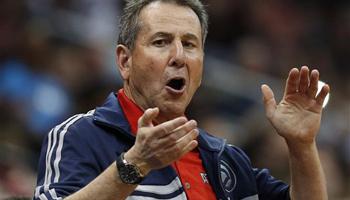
(204, 178)
(227, 177)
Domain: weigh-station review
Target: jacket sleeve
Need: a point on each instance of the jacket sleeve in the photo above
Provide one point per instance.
(66, 163)
(269, 188)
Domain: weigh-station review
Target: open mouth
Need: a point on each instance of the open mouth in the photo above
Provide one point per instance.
(176, 84)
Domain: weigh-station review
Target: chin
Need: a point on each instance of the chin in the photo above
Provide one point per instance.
(172, 111)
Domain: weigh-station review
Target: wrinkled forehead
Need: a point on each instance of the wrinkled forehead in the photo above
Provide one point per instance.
(169, 17)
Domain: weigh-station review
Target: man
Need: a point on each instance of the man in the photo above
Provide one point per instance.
(140, 145)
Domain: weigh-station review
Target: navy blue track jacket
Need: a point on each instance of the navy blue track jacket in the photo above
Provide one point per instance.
(82, 147)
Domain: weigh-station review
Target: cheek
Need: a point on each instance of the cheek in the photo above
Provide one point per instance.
(150, 62)
(198, 77)
(148, 75)
(196, 73)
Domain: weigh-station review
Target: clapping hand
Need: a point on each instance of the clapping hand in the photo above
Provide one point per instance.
(159, 145)
(297, 117)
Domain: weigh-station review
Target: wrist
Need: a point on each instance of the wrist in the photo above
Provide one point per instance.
(132, 158)
(301, 149)
(128, 172)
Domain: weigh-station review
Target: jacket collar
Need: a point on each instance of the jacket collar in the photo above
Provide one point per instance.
(210, 142)
(111, 115)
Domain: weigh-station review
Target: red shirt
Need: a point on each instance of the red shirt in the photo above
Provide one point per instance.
(189, 167)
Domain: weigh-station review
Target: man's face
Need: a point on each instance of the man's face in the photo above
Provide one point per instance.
(167, 61)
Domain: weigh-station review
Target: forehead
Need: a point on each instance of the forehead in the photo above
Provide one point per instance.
(169, 17)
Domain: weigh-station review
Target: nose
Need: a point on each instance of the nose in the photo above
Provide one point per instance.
(178, 56)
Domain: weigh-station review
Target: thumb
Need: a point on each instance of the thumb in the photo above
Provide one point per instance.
(269, 100)
(147, 117)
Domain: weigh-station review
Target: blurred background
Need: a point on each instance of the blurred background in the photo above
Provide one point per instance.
(57, 59)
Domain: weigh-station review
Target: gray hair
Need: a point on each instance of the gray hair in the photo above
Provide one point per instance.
(130, 26)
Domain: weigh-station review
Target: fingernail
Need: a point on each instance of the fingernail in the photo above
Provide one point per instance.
(194, 122)
(197, 132)
(182, 119)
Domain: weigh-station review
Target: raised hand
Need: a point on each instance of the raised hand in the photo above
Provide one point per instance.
(297, 117)
(160, 145)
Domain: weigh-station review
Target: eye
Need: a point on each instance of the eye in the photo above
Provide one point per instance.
(160, 43)
(189, 45)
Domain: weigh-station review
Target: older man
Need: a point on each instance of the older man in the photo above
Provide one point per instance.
(140, 145)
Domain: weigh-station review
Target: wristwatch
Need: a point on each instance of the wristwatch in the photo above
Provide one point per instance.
(129, 173)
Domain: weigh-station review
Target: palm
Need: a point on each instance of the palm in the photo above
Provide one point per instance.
(298, 115)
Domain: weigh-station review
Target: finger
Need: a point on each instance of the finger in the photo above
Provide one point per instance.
(314, 77)
(322, 95)
(189, 147)
(269, 100)
(167, 127)
(304, 79)
(148, 116)
(171, 138)
(188, 126)
(187, 143)
(292, 83)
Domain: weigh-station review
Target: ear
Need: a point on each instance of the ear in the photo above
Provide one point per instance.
(123, 56)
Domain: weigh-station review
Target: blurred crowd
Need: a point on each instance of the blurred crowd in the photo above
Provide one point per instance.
(57, 59)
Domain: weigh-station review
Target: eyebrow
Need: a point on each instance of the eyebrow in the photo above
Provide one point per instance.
(188, 36)
(162, 34)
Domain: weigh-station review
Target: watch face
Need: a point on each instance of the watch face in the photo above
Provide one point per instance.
(128, 174)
